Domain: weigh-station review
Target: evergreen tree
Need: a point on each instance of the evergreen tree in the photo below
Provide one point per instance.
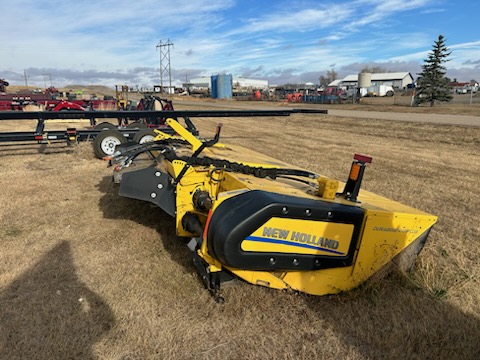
(432, 85)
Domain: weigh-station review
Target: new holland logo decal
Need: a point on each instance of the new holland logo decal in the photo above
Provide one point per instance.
(297, 239)
(298, 236)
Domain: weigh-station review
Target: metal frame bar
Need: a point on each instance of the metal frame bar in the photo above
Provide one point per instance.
(40, 134)
(80, 135)
(50, 115)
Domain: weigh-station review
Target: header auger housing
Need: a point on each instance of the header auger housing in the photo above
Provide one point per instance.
(266, 222)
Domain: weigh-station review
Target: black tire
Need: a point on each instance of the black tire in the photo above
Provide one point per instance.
(144, 135)
(106, 141)
(105, 126)
(136, 125)
(390, 93)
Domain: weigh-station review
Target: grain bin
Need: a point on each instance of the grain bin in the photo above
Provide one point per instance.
(222, 86)
(364, 80)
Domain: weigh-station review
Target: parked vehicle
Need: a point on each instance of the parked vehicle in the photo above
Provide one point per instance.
(332, 90)
(380, 90)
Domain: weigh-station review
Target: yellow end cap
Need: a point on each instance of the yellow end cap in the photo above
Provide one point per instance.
(327, 188)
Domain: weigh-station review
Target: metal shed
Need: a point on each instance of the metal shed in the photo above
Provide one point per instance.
(398, 80)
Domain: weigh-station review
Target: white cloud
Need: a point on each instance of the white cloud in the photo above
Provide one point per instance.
(285, 39)
(375, 12)
(295, 20)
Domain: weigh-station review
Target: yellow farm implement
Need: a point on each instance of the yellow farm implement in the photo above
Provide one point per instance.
(260, 219)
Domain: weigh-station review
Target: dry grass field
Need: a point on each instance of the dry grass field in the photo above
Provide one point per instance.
(85, 274)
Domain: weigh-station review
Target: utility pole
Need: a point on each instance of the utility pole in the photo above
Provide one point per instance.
(25, 76)
(165, 62)
(45, 78)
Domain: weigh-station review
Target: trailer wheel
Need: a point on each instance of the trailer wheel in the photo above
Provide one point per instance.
(105, 126)
(106, 141)
(136, 125)
(143, 136)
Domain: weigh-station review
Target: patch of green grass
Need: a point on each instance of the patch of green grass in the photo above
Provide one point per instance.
(440, 293)
(13, 231)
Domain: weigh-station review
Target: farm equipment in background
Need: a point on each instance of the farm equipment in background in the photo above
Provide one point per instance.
(107, 135)
(50, 99)
(40, 106)
(47, 101)
(65, 105)
(3, 85)
(121, 95)
(151, 104)
(154, 103)
(264, 221)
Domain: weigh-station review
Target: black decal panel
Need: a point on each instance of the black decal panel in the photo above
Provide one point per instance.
(238, 217)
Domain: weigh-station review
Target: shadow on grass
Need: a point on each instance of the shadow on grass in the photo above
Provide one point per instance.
(48, 313)
(114, 206)
(396, 320)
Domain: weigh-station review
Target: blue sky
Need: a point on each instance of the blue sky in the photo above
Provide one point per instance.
(114, 42)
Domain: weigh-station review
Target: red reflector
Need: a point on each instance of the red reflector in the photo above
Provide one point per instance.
(38, 137)
(363, 158)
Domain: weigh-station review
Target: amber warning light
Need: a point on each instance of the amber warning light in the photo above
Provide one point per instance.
(352, 186)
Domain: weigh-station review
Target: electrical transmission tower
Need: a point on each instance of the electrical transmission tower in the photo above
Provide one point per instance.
(165, 62)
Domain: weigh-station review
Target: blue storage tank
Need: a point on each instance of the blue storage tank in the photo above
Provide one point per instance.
(222, 86)
(213, 82)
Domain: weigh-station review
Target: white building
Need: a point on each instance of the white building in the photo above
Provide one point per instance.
(238, 82)
(201, 82)
(244, 83)
(398, 80)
